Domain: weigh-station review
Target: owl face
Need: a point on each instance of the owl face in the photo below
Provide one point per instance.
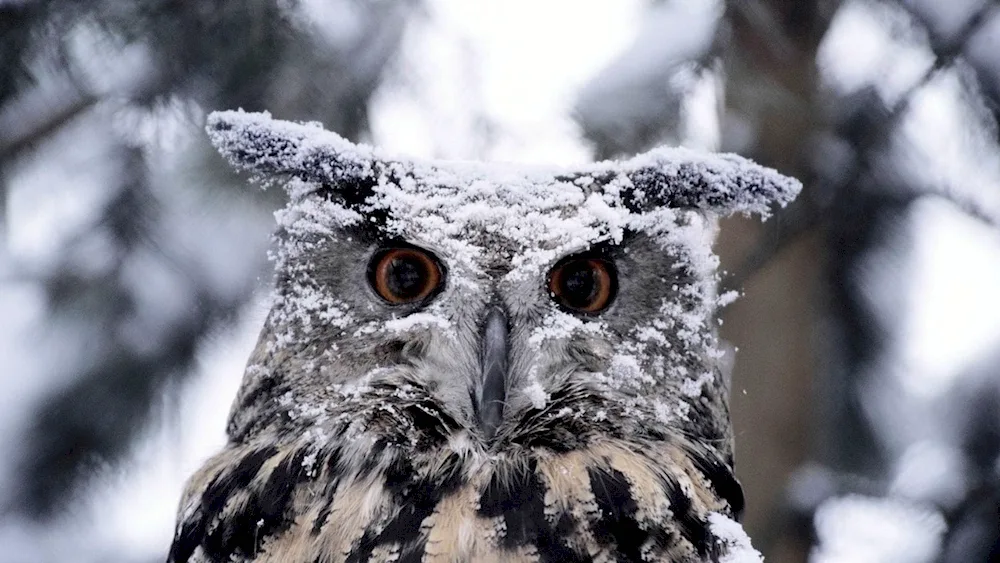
(491, 304)
(495, 293)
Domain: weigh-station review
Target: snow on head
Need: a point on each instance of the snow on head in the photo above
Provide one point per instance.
(663, 177)
(541, 213)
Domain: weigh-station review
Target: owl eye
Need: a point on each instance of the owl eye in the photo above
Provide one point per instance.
(405, 275)
(583, 284)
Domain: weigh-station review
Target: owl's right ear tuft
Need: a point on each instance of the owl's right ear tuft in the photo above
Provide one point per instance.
(271, 148)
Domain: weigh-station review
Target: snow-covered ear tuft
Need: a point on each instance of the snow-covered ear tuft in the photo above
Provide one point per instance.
(270, 147)
(720, 183)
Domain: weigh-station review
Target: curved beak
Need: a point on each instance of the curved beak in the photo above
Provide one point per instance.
(494, 351)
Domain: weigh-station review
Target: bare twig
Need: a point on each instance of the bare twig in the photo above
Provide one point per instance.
(35, 115)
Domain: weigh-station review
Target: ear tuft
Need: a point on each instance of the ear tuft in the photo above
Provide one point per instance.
(720, 183)
(270, 147)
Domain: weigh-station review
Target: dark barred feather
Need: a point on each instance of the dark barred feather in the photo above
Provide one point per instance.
(426, 492)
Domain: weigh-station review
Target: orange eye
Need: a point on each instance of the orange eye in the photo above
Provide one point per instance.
(404, 275)
(584, 284)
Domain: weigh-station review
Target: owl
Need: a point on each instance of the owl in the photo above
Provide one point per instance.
(480, 362)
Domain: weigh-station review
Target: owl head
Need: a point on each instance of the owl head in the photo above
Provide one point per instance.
(490, 310)
(497, 290)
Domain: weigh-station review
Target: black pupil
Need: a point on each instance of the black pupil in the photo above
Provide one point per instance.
(579, 284)
(406, 277)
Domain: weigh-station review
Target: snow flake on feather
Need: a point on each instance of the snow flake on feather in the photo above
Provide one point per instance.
(692, 388)
(314, 216)
(730, 535)
(535, 392)
(625, 372)
(559, 325)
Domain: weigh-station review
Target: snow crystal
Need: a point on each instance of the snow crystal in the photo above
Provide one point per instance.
(625, 372)
(693, 387)
(536, 394)
(407, 323)
(309, 463)
(314, 216)
(731, 534)
(727, 298)
(561, 325)
(653, 333)
(670, 413)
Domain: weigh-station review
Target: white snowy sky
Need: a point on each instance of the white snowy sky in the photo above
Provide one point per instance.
(468, 62)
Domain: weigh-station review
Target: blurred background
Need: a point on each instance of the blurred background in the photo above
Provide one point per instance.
(133, 271)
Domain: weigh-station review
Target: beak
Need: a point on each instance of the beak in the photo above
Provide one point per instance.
(495, 347)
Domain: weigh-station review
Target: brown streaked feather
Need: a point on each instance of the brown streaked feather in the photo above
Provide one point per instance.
(657, 493)
(357, 505)
(453, 528)
(609, 500)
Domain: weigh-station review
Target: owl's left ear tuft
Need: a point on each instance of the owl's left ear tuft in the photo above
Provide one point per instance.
(269, 147)
(719, 183)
